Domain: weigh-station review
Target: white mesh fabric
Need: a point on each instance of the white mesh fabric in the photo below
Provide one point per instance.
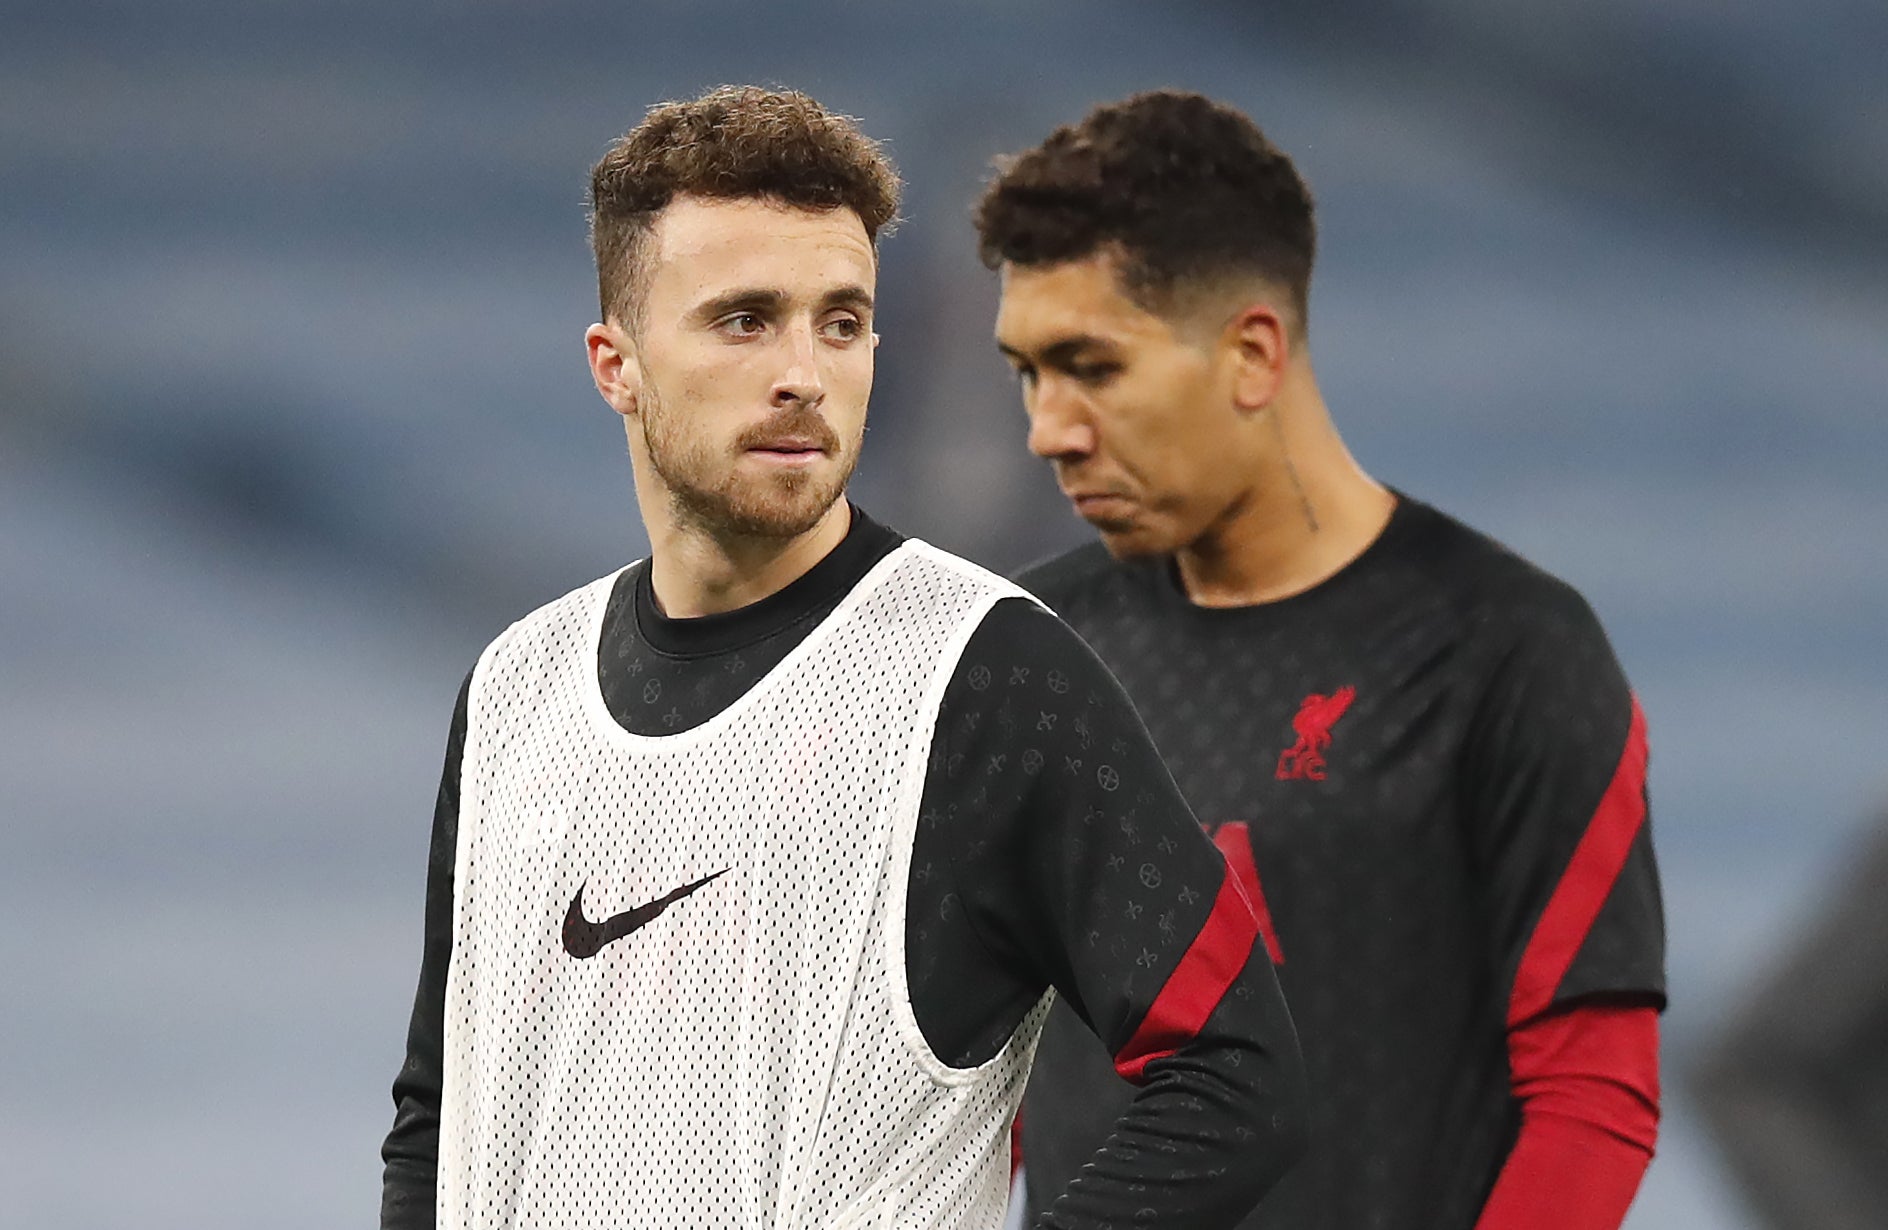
(748, 1058)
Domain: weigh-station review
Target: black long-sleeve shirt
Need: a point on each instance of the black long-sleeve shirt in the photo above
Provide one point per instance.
(1430, 770)
(1052, 850)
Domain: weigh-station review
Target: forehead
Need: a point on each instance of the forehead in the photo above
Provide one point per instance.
(706, 246)
(1045, 304)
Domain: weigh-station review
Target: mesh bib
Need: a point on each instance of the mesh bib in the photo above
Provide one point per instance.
(718, 1033)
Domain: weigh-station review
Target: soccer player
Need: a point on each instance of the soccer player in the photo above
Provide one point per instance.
(753, 863)
(1416, 748)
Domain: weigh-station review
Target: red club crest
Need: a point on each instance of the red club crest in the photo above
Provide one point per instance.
(1316, 716)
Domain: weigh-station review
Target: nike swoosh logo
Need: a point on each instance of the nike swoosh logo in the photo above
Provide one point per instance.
(583, 938)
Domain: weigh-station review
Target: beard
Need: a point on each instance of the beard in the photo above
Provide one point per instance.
(707, 488)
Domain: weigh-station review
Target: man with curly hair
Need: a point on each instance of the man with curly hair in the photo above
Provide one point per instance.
(754, 863)
(1416, 749)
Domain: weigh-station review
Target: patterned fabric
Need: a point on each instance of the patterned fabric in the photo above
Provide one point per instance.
(1052, 849)
(744, 1053)
(1409, 755)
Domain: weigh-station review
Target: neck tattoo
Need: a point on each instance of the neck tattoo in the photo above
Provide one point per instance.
(1291, 468)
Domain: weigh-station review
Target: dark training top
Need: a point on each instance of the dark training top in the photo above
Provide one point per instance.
(1428, 769)
(1052, 850)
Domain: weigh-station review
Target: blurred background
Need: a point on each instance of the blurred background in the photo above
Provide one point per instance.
(294, 418)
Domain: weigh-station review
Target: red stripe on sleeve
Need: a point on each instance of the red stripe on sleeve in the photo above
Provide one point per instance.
(1197, 984)
(1235, 842)
(1564, 1174)
(1016, 1145)
(1596, 864)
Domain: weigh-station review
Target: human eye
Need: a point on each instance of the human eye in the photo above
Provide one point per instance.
(844, 328)
(741, 324)
(1094, 374)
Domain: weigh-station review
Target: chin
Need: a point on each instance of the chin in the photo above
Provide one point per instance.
(779, 518)
(1133, 541)
(785, 507)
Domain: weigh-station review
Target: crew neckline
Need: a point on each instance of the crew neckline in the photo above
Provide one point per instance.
(813, 592)
(1405, 516)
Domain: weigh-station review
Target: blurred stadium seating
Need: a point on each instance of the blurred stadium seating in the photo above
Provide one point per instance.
(293, 417)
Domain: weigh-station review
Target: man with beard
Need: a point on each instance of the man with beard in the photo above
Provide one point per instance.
(753, 864)
(1416, 748)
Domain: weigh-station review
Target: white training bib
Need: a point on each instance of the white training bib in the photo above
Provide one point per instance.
(677, 990)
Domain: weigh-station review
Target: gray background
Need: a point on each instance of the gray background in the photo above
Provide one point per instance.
(293, 418)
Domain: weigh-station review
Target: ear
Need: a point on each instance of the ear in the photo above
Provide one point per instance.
(1258, 343)
(613, 365)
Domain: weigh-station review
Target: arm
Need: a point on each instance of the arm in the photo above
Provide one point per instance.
(1555, 777)
(1587, 1079)
(1078, 865)
(411, 1152)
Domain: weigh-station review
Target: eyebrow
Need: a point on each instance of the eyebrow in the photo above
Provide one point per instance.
(747, 299)
(1062, 351)
(854, 296)
(769, 299)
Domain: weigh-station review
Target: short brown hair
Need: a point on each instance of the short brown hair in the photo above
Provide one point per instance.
(732, 142)
(1179, 188)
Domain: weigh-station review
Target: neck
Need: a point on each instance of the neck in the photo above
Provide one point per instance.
(1310, 511)
(695, 572)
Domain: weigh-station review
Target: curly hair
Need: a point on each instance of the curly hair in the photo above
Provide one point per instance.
(730, 143)
(1181, 190)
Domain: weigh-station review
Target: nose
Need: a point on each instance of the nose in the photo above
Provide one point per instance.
(799, 381)
(1059, 425)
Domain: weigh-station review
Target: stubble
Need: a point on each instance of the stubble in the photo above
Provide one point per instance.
(708, 489)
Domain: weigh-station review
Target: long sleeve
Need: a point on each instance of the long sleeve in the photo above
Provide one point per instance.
(1558, 820)
(1587, 1080)
(411, 1150)
(1053, 838)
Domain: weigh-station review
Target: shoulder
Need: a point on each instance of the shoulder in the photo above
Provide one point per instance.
(555, 621)
(1548, 674)
(1502, 594)
(1030, 651)
(932, 570)
(1084, 577)
(1023, 627)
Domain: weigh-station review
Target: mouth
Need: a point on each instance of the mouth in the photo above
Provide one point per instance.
(789, 450)
(1098, 503)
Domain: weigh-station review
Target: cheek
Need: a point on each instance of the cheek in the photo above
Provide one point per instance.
(848, 385)
(709, 390)
(1181, 456)
(851, 368)
(1142, 429)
